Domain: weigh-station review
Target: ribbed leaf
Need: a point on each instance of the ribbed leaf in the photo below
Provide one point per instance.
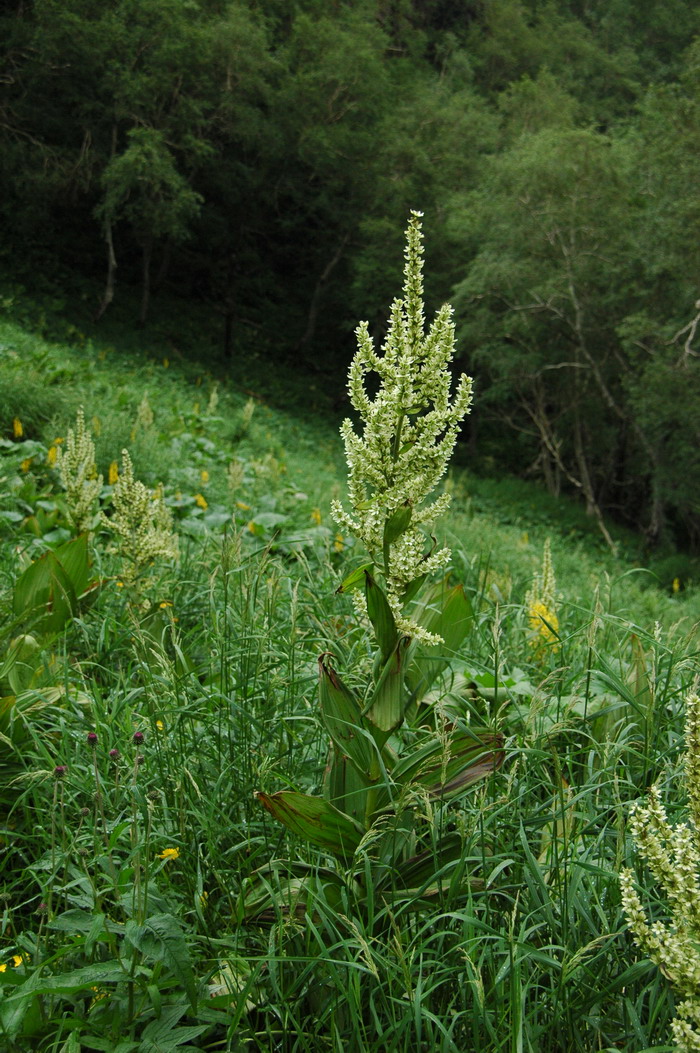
(344, 786)
(448, 613)
(388, 702)
(470, 756)
(316, 820)
(342, 717)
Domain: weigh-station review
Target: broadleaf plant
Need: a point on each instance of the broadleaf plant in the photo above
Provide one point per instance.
(394, 750)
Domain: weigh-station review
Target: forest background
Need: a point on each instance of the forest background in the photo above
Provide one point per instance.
(257, 160)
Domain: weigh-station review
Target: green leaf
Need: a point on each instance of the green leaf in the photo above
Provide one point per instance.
(445, 771)
(397, 523)
(448, 613)
(381, 617)
(388, 702)
(356, 579)
(342, 717)
(161, 939)
(44, 595)
(316, 820)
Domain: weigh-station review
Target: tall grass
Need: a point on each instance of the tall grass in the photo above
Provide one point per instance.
(127, 922)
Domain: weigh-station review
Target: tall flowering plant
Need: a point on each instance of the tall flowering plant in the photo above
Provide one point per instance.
(379, 779)
(672, 854)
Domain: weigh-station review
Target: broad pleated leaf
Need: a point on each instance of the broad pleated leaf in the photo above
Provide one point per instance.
(316, 820)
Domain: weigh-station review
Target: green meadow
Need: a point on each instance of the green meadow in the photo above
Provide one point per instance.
(156, 710)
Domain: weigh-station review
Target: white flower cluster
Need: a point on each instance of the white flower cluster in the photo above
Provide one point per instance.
(408, 433)
(673, 856)
(78, 472)
(142, 522)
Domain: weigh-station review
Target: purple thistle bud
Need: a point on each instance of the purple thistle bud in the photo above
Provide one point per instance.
(60, 770)
(92, 738)
(115, 755)
(138, 737)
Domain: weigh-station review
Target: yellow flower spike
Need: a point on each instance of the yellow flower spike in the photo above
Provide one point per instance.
(169, 853)
(17, 428)
(676, 584)
(316, 516)
(201, 501)
(204, 476)
(26, 464)
(243, 506)
(52, 455)
(113, 473)
(339, 543)
(3, 967)
(58, 441)
(166, 363)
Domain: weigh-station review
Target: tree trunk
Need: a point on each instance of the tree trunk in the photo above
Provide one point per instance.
(108, 294)
(315, 304)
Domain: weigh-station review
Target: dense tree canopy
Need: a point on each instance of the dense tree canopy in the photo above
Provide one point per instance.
(262, 156)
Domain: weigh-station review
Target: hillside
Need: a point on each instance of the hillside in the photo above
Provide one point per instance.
(147, 702)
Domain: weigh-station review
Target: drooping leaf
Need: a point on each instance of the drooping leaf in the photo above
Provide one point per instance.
(445, 771)
(316, 820)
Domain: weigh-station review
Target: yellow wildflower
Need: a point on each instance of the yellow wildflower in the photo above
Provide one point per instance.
(201, 501)
(3, 967)
(113, 473)
(166, 363)
(543, 623)
(58, 441)
(19, 959)
(169, 853)
(161, 727)
(676, 584)
(17, 428)
(26, 464)
(204, 476)
(243, 506)
(339, 543)
(316, 515)
(52, 455)
(164, 604)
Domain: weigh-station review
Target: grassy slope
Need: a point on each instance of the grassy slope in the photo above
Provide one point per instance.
(537, 961)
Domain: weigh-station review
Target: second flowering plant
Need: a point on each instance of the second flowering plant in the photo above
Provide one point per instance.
(395, 752)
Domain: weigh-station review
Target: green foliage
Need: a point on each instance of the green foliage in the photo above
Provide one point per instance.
(480, 915)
